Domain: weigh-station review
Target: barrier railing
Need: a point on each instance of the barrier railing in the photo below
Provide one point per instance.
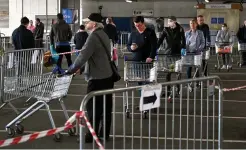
(191, 120)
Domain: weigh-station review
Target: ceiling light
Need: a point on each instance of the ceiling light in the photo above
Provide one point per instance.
(129, 1)
(207, 1)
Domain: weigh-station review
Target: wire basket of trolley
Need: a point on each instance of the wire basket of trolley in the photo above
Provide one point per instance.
(167, 65)
(44, 88)
(242, 51)
(192, 60)
(224, 50)
(140, 73)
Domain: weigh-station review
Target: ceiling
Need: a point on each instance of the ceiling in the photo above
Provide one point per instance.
(217, 1)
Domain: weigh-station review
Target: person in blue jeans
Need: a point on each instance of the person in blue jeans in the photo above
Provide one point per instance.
(195, 42)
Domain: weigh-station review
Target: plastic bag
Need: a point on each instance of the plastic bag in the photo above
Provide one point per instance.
(54, 54)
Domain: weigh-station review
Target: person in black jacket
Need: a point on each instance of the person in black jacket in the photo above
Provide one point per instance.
(22, 37)
(110, 30)
(80, 38)
(205, 29)
(143, 43)
(39, 33)
(60, 36)
(241, 35)
(79, 41)
(174, 37)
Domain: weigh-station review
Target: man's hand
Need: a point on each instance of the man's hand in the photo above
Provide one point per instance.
(149, 60)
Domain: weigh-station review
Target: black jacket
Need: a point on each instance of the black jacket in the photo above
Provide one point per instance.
(241, 34)
(111, 31)
(147, 44)
(39, 31)
(80, 39)
(205, 29)
(23, 38)
(60, 32)
(174, 40)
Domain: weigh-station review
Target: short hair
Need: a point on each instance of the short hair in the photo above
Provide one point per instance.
(24, 21)
(224, 24)
(82, 27)
(60, 16)
(37, 19)
(199, 16)
(194, 21)
(138, 19)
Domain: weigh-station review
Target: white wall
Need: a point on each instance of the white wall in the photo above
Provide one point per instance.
(31, 8)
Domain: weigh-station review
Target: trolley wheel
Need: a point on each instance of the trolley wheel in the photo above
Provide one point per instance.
(240, 65)
(19, 129)
(11, 132)
(127, 114)
(72, 131)
(57, 137)
(145, 113)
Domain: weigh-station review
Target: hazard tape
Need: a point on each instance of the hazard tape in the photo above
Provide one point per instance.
(73, 51)
(38, 135)
(232, 89)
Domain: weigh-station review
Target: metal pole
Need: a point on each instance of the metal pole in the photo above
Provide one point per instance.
(22, 8)
(46, 15)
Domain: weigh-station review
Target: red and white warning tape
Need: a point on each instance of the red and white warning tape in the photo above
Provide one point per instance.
(37, 135)
(81, 114)
(234, 89)
(33, 136)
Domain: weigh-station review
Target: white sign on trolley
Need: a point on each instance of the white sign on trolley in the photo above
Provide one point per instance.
(218, 6)
(150, 97)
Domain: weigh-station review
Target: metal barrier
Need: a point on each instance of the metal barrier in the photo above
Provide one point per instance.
(123, 42)
(192, 120)
(18, 63)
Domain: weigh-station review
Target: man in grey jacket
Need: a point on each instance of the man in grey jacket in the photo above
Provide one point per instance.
(97, 72)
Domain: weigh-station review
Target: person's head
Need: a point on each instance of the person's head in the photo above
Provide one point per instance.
(82, 27)
(244, 23)
(93, 21)
(109, 20)
(171, 21)
(139, 23)
(37, 21)
(193, 24)
(224, 27)
(60, 16)
(53, 21)
(31, 22)
(200, 19)
(24, 21)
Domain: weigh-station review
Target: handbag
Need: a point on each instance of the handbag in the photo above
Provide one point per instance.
(115, 76)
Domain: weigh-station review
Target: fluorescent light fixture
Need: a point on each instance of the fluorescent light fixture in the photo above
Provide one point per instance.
(129, 1)
(207, 1)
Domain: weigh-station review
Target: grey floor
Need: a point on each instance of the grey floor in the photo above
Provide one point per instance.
(234, 119)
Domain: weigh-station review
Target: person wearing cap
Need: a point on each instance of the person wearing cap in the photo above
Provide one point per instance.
(110, 30)
(206, 32)
(60, 36)
(98, 73)
(174, 37)
(224, 38)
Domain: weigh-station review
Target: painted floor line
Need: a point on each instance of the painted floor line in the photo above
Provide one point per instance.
(146, 137)
(152, 114)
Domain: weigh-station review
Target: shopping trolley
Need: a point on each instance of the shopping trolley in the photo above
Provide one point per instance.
(44, 88)
(169, 64)
(241, 49)
(223, 48)
(192, 60)
(123, 44)
(141, 73)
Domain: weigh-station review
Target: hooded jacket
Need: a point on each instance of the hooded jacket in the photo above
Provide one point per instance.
(174, 40)
(61, 33)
